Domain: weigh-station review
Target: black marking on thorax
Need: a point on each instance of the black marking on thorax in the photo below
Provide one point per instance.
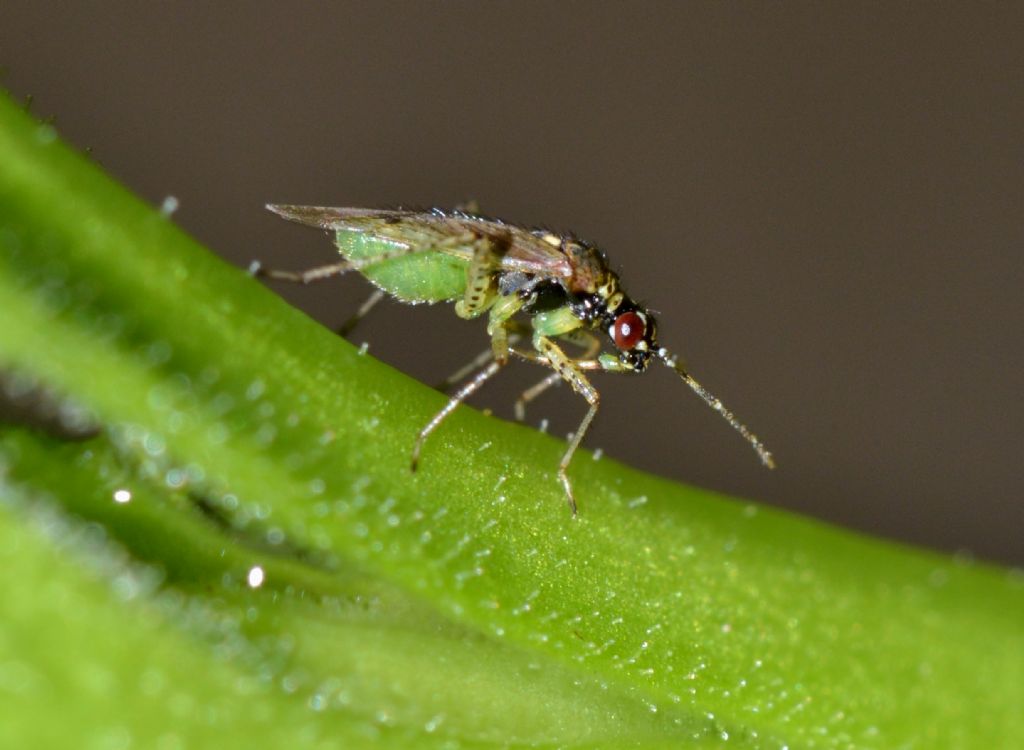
(546, 295)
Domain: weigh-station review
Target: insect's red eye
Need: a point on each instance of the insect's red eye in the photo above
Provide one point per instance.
(628, 330)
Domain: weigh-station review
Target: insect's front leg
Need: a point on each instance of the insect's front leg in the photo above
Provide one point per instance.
(573, 375)
(580, 337)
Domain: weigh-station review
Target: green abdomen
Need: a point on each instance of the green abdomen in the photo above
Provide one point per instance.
(420, 276)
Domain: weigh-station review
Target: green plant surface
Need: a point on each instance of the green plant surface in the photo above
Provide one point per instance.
(100, 657)
(462, 606)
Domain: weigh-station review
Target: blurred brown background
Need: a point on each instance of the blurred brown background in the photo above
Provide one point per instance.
(823, 202)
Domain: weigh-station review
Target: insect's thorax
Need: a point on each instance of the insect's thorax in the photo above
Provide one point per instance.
(591, 295)
(594, 291)
(597, 299)
(590, 274)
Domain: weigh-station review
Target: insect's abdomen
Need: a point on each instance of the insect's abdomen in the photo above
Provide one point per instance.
(416, 276)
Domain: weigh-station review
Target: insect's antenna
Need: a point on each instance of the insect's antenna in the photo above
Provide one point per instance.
(717, 405)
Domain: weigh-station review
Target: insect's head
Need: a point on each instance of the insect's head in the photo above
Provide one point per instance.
(633, 331)
(630, 327)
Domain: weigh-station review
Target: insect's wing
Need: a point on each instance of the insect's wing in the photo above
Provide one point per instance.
(450, 233)
(532, 254)
(414, 230)
(330, 218)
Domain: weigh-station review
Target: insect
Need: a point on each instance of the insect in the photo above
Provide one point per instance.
(541, 292)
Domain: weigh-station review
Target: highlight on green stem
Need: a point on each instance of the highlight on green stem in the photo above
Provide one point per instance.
(223, 544)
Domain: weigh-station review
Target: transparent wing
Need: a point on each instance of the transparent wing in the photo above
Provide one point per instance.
(452, 233)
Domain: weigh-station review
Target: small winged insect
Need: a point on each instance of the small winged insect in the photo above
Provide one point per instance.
(541, 292)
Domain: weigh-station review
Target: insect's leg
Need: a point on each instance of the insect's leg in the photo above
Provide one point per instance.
(300, 277)
(573, 375)
(346, 328)
(480, 294)
(468, 389)
(324, 272)
(582, 338)
(532, 392)
(478, 361)
(585, 340)
(556, 326)
(463, 372)
(500, 321)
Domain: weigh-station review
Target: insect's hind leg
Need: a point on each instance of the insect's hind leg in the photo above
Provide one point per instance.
(468, 389)
(300, 277)
(325, 272)
(318, 273)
